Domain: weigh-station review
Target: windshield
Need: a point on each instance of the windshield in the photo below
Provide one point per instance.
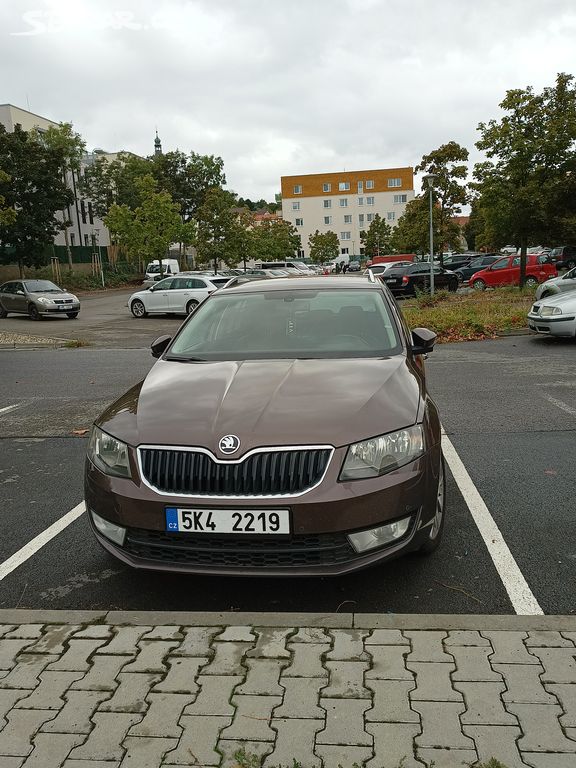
(41, 286)
(154, 269)
(289, 324)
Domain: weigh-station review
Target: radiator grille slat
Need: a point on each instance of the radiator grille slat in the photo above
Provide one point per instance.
(266, 473)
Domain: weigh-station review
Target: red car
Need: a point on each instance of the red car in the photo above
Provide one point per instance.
(506, 271)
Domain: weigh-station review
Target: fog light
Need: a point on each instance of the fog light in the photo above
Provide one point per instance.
(111, 531)
(378, 537)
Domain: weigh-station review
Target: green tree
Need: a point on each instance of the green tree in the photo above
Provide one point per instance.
(113, 182)
(449, 165)
(412, 233)
(275, 240)
(218, 229)
(33, 187)
(378, 239)
(146, 232)
(70, 146)
(188, 178)
(7, 215)
(324, 246)
(526, 186)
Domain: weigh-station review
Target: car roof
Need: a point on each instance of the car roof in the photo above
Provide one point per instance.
(302, 284)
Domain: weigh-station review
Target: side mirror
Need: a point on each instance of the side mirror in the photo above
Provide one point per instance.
(159, 345)
(423, 341)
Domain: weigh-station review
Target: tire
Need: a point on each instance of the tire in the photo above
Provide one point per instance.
(33, 313)
(437, 528)
(570, 264)
(3, 313)
(460, 277)
(138, 309)
(72, 315)
(479, 285)
(530, 282)
(453, 286)
(191, 306)
(546, 294)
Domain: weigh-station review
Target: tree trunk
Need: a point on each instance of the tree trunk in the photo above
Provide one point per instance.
(68, 251)
(523, 249)
(21, 269)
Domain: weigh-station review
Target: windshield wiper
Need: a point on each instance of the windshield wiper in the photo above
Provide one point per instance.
(181, 359)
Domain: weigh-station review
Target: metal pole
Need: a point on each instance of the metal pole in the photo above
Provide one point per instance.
(431, 247)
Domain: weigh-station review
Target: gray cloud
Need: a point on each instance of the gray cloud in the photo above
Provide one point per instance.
(280, 88)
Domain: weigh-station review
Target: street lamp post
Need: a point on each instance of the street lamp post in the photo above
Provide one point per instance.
(429, 179)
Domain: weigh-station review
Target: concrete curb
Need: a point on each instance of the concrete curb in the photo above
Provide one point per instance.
(330, 620)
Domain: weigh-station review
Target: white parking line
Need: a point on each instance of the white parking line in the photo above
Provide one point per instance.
(10, 408)
(559, 404)
(520, 594)
(20, 557)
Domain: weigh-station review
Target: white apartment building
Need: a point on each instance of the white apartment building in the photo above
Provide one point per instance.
(345, 203)
(85, 228)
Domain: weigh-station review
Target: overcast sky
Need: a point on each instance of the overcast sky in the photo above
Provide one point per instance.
(280, 87)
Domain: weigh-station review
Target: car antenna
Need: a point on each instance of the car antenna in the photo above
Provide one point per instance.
(371, 276)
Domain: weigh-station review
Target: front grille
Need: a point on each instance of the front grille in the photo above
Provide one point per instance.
(307, 550)
(62, 301)
(270, 473)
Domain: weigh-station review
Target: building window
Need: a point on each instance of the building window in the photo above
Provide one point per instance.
(362, 251)
(360, 187)
(348, 218)
(360, 201)
(361, 219)
(299, 222)
(326, 187)
(327, 203)
(343, 202)
(391, 216)
(72, 239)
(86, 240)
(370, 184)
(369, 217)
(296, 206)
(327, 219)
(369, 201)
(345, 236)
(344, 186)
(90, 213)
(344, 251)
(83, 212)
(298, 189)
(400, 198)
(394, 182)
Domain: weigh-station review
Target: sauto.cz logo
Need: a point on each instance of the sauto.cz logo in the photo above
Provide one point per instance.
(229, 444)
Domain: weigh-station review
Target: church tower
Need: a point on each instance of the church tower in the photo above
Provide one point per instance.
(157, 145)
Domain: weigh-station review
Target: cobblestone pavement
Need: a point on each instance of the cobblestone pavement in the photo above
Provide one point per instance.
(97, 694)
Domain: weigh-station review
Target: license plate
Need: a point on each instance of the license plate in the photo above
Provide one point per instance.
(63, 309)
(390, 280)
(235, 521)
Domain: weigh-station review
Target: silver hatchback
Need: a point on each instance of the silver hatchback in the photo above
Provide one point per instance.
(567, 282)
(37, 298)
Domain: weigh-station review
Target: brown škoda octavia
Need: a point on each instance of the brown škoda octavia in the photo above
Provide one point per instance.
(285, 430)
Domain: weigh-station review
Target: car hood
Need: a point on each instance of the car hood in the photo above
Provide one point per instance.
(267, 403)
(51, 295)
(567, 301)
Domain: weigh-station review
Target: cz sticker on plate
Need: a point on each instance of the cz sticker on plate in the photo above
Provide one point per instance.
(253, 521)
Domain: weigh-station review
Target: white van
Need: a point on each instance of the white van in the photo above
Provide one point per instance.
(299, 265)
(155, 272)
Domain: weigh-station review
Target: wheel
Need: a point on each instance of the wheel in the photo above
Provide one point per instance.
(33, 312)
(571, 264)
(138, 309)
(3, 312)
(530, 282)
(72, 315)
(546, 294)
(479, 285)
(191, 306)
(453, 285)
(460, 277)
(437, 528)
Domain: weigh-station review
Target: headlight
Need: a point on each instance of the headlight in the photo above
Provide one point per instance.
(547, 311)
(108, 454)
(374, 457)
(44, 300)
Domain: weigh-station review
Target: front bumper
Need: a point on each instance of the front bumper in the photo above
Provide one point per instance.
(59, 309)
(559, 325)
(321, 521)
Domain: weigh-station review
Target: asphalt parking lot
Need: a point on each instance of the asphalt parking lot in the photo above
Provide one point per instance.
(508, 411)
